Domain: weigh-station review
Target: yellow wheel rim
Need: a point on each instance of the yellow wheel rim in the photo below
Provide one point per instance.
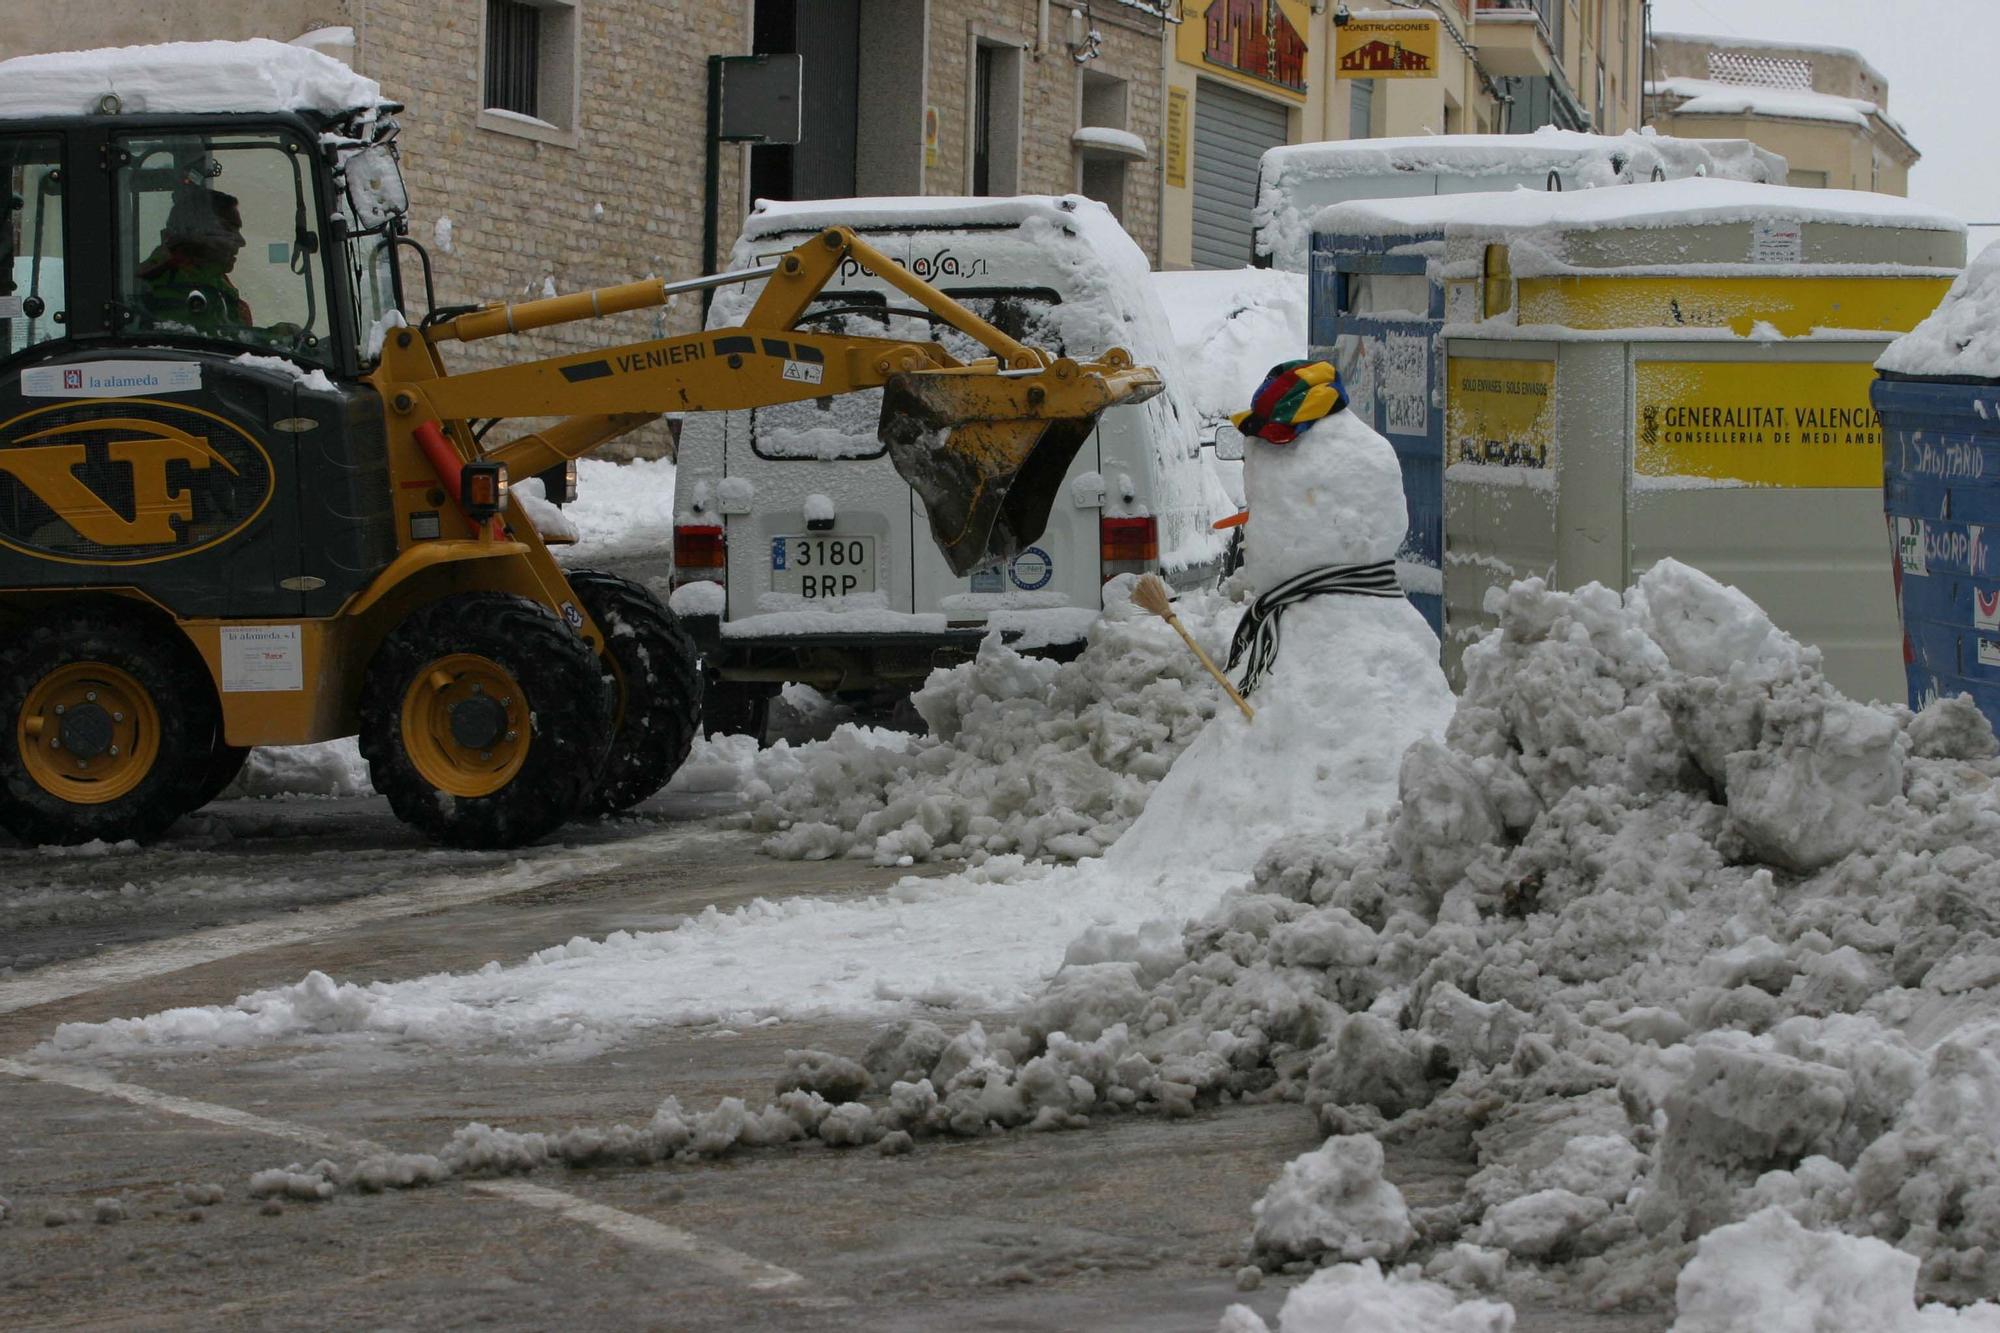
(88, 733)
(465, 725)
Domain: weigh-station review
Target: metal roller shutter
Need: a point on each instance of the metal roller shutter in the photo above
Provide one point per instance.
(1231, 131)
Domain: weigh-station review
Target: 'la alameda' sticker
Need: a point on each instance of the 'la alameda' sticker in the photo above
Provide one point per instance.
(111, 379)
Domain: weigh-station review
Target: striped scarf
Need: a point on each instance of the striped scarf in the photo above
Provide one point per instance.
(1256, 641)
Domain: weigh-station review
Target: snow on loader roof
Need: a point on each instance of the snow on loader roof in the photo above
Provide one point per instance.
(184, 78)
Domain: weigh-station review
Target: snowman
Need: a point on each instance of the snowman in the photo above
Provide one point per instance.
(1341, 670)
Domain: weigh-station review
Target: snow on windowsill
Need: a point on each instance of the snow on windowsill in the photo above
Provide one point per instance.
(1104, 141)
(502, 121)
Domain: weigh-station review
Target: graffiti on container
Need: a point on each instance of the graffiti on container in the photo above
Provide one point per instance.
(1406, 391)
(1963, 461)
(1959, 549)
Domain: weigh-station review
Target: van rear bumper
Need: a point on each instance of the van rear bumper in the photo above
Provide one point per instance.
(852, 661)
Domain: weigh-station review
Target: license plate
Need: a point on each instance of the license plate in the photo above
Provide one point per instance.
(816, 566)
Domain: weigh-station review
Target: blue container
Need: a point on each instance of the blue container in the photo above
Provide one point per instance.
(1379, 317)
(1941, 488)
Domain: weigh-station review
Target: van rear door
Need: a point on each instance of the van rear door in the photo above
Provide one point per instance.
(1061, 568)
(817, 518)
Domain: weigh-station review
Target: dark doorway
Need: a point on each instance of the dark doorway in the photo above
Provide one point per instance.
(828, 34)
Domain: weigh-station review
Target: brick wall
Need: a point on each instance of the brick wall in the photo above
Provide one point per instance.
(624, 203)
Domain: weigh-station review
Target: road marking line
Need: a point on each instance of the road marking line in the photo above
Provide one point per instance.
(85, 1080)
(62, 981)
(646, 1233)
(641, 1232)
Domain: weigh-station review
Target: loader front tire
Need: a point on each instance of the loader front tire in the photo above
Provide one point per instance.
(658, 676)
(484, 720)
(107, 716)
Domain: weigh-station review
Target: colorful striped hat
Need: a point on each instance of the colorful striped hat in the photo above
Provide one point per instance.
(1293, 396)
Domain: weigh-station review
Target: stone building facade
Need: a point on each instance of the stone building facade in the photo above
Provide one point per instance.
(1824, 108)
(1247, 75)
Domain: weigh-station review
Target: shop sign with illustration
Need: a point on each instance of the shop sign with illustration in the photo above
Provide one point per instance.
(1799, 425)
(1500, 413)
(1386, 48)
(1259, 43)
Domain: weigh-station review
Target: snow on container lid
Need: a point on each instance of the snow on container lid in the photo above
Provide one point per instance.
(1961, 338)
(1296, 180)
(1690, 225)
(184, 78)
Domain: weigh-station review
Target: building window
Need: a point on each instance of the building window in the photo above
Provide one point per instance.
(994, 164)
(1361, 109)
(529, 80)
(513, 57)
(1103, 171)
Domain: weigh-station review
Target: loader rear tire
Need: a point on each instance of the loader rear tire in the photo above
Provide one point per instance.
(484, 720)
(107, 715)
(657, 671)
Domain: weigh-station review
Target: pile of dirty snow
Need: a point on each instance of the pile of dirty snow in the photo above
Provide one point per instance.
(1024, 755)
(1665, 937)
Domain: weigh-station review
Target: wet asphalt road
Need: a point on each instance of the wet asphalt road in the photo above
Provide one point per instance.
(1135, 1223)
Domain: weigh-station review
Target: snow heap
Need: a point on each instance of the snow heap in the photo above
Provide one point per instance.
(1768, 1274)
(1961, 338)
(184, 77)
(330, 768)
(1024, 755)
(1691, 958)
(1357, 1298)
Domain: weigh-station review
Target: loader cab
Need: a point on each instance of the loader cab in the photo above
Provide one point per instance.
(270, 234)
(205, 282)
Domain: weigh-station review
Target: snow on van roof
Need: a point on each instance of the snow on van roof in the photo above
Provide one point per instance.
(184, 77)
(1295, 180)
(898, 212)
(1695, 201)
(1961, 338)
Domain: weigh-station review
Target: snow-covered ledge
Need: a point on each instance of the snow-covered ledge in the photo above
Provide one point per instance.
(1103, 141)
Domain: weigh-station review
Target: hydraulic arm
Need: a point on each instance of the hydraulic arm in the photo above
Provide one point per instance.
(985, 444)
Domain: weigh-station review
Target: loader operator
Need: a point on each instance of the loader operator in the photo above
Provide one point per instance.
(187, 275)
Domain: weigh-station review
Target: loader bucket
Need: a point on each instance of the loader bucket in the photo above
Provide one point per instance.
(987, 450)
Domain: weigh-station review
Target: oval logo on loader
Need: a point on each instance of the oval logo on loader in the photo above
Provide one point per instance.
(127, 481)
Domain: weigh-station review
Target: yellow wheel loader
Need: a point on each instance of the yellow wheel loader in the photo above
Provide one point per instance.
(243, 502)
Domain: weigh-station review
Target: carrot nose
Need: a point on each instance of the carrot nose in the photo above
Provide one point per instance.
(1236, 520)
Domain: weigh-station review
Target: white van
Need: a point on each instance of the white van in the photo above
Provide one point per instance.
(801, 555)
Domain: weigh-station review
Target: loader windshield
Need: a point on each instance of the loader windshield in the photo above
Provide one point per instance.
(216, 241)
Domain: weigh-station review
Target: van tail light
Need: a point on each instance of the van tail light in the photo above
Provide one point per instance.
(1127, 545)
(701, 554)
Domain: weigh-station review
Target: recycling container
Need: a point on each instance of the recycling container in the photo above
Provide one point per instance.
(1941, 493)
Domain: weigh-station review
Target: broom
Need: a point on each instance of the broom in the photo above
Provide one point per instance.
(1150, 594)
